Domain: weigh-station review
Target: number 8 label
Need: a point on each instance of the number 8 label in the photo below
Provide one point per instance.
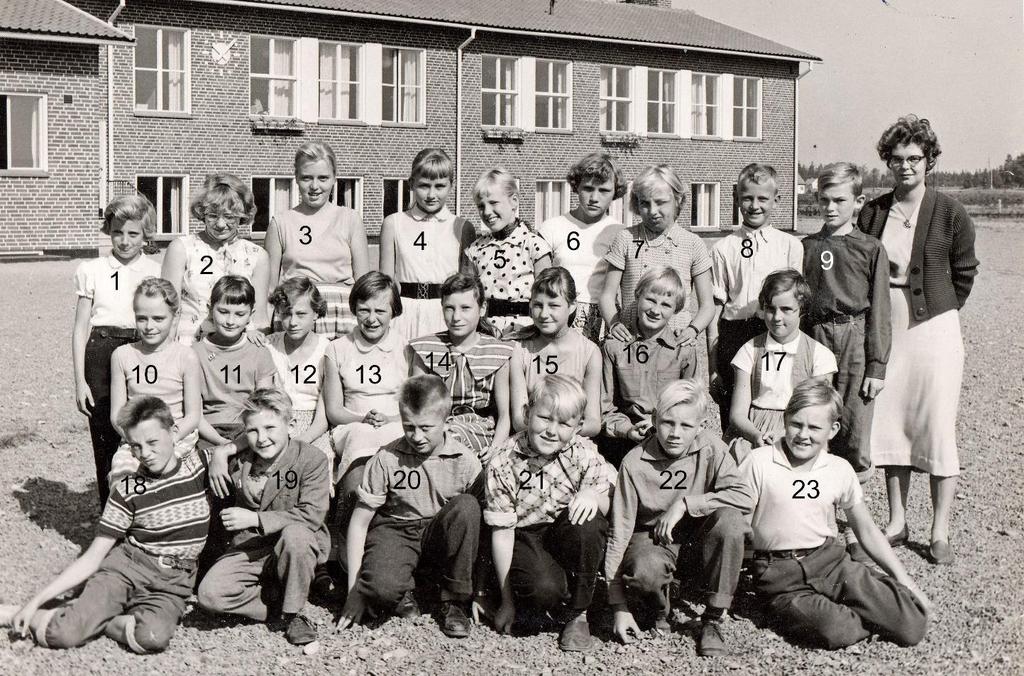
(826, 260)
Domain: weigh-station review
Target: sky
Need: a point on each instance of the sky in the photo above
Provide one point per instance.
(959, 63)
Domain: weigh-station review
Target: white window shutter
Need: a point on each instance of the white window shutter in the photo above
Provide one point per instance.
(569, 88)
(372, 53)
(638, 102)
(527, 92)
(683, 103)
(307, 70)
(760, 108)
(725, 82)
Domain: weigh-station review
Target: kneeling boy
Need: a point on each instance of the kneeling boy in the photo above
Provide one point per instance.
(816, 591)
(419, 502)
(680, 487)
(281, 491)
(141, 567)
(547, 497)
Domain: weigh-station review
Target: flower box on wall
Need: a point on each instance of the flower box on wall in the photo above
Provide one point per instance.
(264, 124)
(622, 139)
(504, 134)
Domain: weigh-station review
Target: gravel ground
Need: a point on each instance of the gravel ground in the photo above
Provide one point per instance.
(48, 506)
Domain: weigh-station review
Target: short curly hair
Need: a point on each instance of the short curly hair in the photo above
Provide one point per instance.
(910, 129)
(598, 167)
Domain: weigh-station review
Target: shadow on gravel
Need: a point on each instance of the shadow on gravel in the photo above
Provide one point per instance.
(51, 504)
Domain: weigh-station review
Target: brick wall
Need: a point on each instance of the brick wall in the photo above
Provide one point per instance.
(58, 211)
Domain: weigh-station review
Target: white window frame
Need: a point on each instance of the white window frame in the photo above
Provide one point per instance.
(293, 78)
(716, 200)
(745, 106)
(661, 104)
(293, 198)
(553, 96)
(543, 195)
(515, 93)
(183, 217)
(162, 71)
(358, 206)
(403, 188)
(700, 106)
(43, 140)
(421, 113)
(610, 99)
(622, 208)
(359, 83)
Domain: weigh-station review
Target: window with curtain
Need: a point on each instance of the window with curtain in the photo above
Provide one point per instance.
(272, 195)
(704, 205)
(553, 95)
(167, 193)
(161, 69)
(499, 91)
(339, 81)
(704, 95)
(615, 98)
(746, 107)
(348, 192)
(551, 199)
(661, 101)
(620, 209)
(22, 131)
(397, 195)
(402, 89)
(272, 76)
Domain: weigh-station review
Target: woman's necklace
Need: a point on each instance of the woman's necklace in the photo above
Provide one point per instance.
(901, 214)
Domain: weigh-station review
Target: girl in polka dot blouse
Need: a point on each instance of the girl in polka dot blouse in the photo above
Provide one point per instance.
(508, 256)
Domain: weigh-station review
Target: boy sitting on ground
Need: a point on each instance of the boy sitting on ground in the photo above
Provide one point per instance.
(141, 567)
(419, 502)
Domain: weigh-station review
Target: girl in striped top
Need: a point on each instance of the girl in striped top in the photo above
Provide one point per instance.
(472, 363)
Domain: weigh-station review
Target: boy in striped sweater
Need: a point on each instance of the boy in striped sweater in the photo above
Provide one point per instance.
(141, 567)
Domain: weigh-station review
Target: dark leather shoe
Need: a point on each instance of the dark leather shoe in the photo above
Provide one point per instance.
(575, 636)
(941, 553)
(711, 641)
(899, 539)
(300, 631)
(407, 606)
(455, 623)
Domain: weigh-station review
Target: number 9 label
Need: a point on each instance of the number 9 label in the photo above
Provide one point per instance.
(827, 260)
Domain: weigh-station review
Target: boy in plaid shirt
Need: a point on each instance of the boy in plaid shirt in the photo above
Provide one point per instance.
(547, 494)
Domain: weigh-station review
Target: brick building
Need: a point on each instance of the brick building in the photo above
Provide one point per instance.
(236, 85)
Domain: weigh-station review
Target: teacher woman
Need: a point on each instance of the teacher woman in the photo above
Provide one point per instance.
(930, 242)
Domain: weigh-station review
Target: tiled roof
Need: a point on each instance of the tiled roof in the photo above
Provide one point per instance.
(576, 18)
(56, 19)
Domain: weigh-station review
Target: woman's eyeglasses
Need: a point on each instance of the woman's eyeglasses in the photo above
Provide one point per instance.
(230, 219)
(897, 162)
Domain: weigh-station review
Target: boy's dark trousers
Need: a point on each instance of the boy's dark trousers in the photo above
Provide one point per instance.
(263, 575)
(715, 540)
(845, 337)
(732, 334)
(827, 599)
(129, 582)
(394, 548)
(558, 562)
(103, 340)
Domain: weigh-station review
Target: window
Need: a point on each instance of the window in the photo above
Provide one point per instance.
(348, 192)
(704, 94)
(161, 69)
(661, 101)
(737, 217)
(273, 195)
(22, 132)
(553, 97)
(746, 107)
(704, 205)
(167, 193)
(339, 81)
(272, 76)
(551, 199)
(499, 93)
(402, 94)
(615, 99)
(621, 209)
(397, 195)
